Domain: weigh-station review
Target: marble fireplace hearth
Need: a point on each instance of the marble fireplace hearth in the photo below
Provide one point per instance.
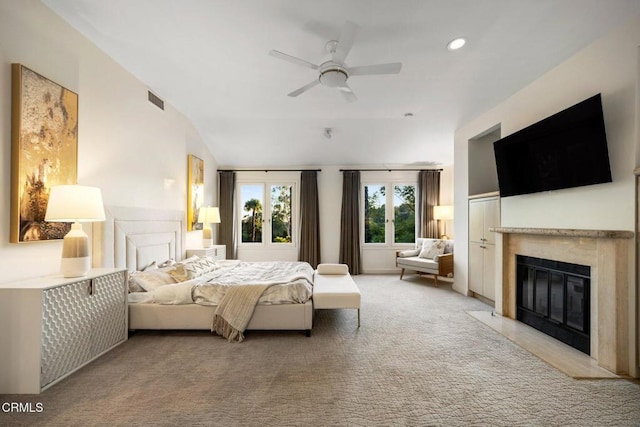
(607, 253)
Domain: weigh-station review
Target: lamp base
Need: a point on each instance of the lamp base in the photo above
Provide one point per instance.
(76, 261)
(75, 267)
(207, 237)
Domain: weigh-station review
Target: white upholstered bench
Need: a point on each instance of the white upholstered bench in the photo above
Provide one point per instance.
(333, 287)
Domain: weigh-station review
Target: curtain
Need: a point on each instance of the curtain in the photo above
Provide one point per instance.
(228, 224)
(428, 197)
(349, 221)
(309, 219)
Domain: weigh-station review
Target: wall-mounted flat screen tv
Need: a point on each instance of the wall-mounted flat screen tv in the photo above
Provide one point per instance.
(568, 149)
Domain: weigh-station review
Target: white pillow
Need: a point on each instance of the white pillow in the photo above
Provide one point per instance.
(333, 269)
(150, 280)
(177, 293)
(432, 248)
(408, 253)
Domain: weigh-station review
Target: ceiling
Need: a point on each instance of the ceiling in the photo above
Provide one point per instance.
(209, 59)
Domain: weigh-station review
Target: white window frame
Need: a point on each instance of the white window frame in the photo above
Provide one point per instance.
(266, 213)
(389, 233)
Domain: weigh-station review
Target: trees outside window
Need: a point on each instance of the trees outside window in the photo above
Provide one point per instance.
(252, 197)
(277, 213)
(404, 213)
(389, 217)
(281, 213)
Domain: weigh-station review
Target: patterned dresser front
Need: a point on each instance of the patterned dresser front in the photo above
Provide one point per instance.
(66, 323)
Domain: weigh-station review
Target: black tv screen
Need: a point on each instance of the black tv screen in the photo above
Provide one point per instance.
(568, 149)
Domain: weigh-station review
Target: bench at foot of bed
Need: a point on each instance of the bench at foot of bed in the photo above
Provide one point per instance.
(333, 287)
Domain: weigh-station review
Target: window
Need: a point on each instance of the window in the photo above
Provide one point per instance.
(281, 213)
(374, 213)
(277, 213)
(252, 197)
(404, 213)
(389, 217)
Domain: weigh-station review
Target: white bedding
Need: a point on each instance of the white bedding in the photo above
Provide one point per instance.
(294, 284)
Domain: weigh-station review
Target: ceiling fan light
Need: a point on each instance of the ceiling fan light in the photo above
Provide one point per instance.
(456, 44)
(333, 78)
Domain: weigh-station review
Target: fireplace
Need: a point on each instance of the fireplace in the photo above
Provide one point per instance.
(554, 297)
(607, 254)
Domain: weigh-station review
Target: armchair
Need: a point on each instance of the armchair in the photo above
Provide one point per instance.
(429, 256)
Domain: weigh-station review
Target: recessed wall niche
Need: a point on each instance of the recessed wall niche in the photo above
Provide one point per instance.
(483, 177)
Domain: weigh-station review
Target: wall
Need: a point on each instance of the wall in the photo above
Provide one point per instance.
(483, 175)
(135, 152)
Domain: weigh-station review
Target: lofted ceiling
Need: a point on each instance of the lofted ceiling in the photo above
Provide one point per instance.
(210, 60)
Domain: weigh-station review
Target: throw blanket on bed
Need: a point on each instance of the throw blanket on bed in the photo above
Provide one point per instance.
(242, 286)
(235, 311)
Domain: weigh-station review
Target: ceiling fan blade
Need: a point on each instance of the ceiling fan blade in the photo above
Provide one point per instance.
(345, 42)
(293, 59)
(364, 70)
(304, 88)
(347, 93)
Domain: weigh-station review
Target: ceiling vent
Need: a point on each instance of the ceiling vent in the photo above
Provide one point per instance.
(156, 101)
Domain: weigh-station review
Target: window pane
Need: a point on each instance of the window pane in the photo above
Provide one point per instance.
(281, 213)
(404, 213)
(374, 213)
(252, 197)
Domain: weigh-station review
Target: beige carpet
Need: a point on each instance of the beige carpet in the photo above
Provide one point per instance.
(417, 360)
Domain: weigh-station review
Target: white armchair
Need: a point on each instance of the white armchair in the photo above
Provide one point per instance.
(429, 256)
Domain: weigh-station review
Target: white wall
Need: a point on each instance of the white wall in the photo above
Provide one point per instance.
(608, 66)
(483, 174)
(135, 152)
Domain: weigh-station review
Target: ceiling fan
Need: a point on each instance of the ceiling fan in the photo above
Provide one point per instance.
(335, 72)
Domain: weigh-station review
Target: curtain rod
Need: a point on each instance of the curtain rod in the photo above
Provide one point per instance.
(268, 170)
(388, 170)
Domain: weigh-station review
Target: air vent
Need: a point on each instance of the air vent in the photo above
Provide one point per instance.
(156, 101)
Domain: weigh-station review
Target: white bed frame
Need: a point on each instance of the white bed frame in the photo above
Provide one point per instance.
(134, 237)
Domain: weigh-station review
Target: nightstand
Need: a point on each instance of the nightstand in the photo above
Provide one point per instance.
(54, 325)
(216, 251)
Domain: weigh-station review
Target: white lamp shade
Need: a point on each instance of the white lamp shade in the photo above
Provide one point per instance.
(74, 203)
(443, 212)
(209, 215)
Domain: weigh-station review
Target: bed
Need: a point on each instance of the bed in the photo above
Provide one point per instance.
(136, 237)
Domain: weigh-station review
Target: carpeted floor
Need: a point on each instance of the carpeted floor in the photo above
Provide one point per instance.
(417, 360)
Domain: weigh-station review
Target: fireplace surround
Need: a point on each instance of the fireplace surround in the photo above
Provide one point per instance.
(607, 253)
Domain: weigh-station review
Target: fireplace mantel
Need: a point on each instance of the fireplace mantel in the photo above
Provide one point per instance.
(606, 252)
(595, 234)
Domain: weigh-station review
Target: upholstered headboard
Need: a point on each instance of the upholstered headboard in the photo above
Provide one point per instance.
(134, 237)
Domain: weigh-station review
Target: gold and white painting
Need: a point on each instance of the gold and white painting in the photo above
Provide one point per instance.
(44, 152)
(195, 191)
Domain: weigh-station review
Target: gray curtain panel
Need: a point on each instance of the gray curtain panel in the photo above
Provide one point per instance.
(309, 219)
(349, 223)
(227, 228)
(428, 197)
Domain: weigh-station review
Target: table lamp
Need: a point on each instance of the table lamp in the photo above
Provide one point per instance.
(76, 204)
(443, 213)
(206, 216)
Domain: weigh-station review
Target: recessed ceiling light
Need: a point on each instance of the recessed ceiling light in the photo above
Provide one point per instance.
(456, 44)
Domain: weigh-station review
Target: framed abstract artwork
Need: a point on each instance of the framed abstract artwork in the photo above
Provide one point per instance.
(44, 151)
(195, 191)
